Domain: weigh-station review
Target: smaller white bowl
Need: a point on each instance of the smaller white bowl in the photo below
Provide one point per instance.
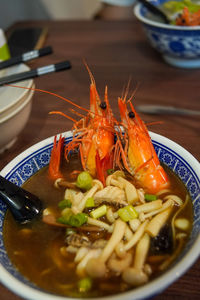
(11, 96)
(12, 123)
(178, 45)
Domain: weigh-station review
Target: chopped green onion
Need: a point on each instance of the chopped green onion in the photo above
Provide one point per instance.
(127, 213)
(110, 171)
(78, 220)
(64, 203)
(90, 202)
(73, 220)
(63, 220)
(150, 197)
(99, 212)
(85, 284)
(66, 212)
(84, 181)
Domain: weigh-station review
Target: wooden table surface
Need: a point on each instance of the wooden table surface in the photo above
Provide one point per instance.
(115, 51)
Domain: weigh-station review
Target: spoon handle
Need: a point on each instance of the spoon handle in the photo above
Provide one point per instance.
(167, 110)
(23, 205)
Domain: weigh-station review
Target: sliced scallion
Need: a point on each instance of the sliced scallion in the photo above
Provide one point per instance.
(78, 220)
(90, 202)
(73, 220)
(85, 284)
(127, 213)
(99, 212)
(150, 197)
(64, 203)
(84, 181)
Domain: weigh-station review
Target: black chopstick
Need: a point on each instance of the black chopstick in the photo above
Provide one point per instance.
(25, 57)
(35, 72)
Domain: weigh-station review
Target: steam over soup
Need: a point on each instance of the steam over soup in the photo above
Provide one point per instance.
(94, 240)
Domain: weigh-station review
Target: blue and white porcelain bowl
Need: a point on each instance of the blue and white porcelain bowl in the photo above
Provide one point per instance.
(178, 159)
(179, 45)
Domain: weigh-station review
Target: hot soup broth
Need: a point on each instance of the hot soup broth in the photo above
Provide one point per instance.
(44, 255)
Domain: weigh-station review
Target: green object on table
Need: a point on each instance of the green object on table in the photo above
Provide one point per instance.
(127, 213)
(4, 52)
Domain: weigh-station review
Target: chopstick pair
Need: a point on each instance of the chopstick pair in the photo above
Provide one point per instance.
(35, 72)
(25, 57)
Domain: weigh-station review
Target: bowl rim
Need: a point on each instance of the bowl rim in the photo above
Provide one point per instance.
(151, 288)
(19, 107)
(29, 83)
(147, 21)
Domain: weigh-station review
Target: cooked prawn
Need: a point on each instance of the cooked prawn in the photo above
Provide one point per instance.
(138, 154)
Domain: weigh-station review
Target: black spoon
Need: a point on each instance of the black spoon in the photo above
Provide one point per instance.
(23, 205)
(155, 10)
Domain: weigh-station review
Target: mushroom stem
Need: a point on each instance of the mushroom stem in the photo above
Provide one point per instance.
(136, 275)
(141, 252)
(136, 236)
(96, 266)
(97, 186)
(158, 221)
(165, 205)
(147, 207)
(117, 235)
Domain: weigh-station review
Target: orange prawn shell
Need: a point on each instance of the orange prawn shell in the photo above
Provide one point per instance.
(142, 159)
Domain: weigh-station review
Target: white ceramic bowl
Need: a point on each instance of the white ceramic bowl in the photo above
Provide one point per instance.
(170, 153)
(14, 121)
(10, 97)
(178, 45)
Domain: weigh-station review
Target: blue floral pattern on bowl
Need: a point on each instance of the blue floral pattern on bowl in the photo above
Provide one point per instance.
(179, 45)
(40, 158)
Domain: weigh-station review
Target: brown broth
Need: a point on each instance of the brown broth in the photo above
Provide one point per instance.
(35, 248)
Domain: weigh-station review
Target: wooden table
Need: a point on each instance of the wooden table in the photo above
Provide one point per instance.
(115, 52)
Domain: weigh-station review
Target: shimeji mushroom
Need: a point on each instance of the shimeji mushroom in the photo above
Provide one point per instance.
(150, 206)
(92, 253)
(117, 179)
(136, 236)
(100, 224)
(165, 205)
(96, 267)
(97, 185)
(158, 221)
(135, 275)
(113, 179)
(119, 265)
(134, 224)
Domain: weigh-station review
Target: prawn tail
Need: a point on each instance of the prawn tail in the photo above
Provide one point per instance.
(103, 165)
(55, 160)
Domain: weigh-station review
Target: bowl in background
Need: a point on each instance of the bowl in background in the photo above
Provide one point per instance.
(177, 158)
(15, 107)
(178, 45)
(14, 122)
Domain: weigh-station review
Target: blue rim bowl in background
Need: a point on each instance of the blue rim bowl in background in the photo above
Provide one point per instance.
(174, 156)
(178, 45)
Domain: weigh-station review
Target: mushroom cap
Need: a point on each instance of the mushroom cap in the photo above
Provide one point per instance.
(96, 268)
(135, 277)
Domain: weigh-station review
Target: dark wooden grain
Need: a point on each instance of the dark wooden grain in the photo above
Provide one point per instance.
(115, 51)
